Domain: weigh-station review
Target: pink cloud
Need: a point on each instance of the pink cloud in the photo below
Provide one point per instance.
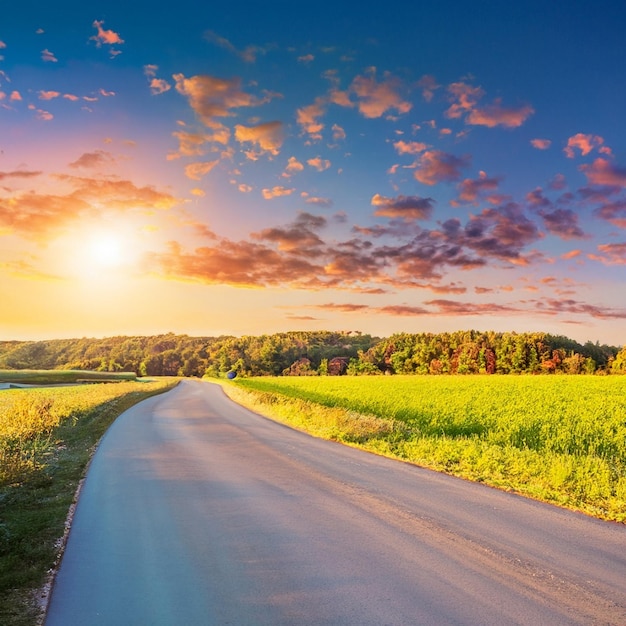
(584, 143)
(470, 190)
(610, 254)
(603, 172)
(464, 98)
(48, 57)
(540, 144)
(428, 85)
(436, 166)
(497, 115)
(48, 95)
(410, 147)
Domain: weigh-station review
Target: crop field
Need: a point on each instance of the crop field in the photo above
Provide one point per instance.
(561, 439)
(47, 437)
(55, 377)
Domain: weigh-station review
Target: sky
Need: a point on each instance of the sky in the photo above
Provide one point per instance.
(258, 167)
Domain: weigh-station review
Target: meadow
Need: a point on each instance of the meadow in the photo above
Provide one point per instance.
(47, 437)
(560, 439)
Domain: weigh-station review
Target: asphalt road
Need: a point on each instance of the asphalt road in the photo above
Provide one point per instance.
(196, 511)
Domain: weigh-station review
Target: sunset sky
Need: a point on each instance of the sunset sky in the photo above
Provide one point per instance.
(255, 167)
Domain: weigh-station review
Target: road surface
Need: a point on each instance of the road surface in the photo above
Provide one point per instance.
(196, 511)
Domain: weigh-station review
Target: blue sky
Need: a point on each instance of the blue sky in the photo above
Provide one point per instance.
(253, 168)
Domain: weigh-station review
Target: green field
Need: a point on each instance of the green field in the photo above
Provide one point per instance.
(60, 377)
(47, 437)
(561, 439)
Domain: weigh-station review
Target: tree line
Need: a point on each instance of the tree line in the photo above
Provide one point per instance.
(320, 353)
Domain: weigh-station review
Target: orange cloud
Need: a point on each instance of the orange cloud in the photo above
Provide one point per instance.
(377, 98)
(108, 37)
(276, 192)
(195, 171)
(319, 164)
(497, 115)
(307, 118)
(436, 166)
(268, 136)
(212, 97)
(407, 208)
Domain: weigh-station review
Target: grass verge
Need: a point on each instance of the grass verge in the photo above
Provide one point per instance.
(39, 476)
(577, 479)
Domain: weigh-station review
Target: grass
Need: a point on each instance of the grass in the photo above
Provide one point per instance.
(47, 437)
(58, 377)
(560, 439)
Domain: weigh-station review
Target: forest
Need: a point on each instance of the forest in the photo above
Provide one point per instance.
(320, 353)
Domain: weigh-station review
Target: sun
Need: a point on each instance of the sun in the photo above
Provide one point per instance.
(106, 250)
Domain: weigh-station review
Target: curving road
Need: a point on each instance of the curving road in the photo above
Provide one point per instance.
(196, 511)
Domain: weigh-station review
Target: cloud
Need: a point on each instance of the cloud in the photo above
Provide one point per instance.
(248, 54)
(308, 118)
(407, 208)
(2, 45)
(435, 166)
(316, 200)
(553, 307)
(48, 95)
(268, 136)
(48, 57)
(497, 115)
(19, 174)
(610, 254)
(243, 264)
(563, 223)
(306, 59)
(584, 143)
(464, 98)
(299, 236)
(377, 98)
(613, 212)
(428, 85)
(107, 37)
(603, 172)
(195, 171)
(540, 144)
(338, 132)
(455, 308)
(293, 166)
(212, 97)
(471, 189)
(319, 164)
(94, 159)
(410, 147)
(276, 192)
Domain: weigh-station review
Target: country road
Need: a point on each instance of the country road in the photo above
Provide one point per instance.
(196, 511)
